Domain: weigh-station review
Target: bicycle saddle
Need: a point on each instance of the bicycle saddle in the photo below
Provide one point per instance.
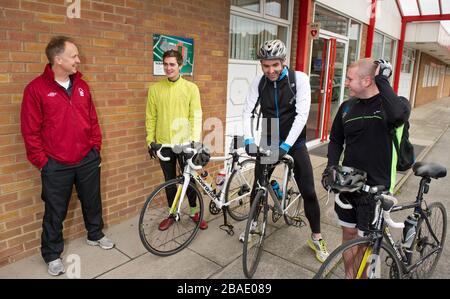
(429, 169)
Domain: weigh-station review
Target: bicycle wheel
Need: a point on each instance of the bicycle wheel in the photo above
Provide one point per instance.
(292, 203)
(240, 184)
(339, 266)
(254, 234)
(425, 244)
(181, 232)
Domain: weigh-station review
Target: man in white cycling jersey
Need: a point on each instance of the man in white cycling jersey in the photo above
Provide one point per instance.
(285, 113)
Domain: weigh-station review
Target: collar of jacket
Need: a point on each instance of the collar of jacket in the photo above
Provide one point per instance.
(283, 73)
(173, 83)
(50, 75)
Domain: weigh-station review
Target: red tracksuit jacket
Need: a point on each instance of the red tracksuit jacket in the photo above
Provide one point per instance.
(56, 125)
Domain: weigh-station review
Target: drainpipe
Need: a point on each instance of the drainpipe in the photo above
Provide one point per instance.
(303, 34)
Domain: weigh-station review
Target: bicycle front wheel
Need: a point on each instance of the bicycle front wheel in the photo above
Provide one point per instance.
(239, 188)
(354, 260)
(427, 247)
(254, 234)
(164, 240)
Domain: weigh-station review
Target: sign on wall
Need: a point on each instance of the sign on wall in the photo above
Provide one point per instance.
(314, 29)
(163, 43)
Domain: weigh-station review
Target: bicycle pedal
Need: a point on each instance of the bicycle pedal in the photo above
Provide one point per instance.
(275, 216)
(298, 221)
(228, 228)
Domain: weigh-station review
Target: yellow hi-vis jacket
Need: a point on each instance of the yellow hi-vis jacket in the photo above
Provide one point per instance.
(173, 112)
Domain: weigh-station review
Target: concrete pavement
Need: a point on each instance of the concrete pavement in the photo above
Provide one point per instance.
(215, 254)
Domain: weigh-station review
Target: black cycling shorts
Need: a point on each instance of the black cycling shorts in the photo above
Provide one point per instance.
(362, 213)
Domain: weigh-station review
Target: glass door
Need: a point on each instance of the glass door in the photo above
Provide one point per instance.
(327, 75)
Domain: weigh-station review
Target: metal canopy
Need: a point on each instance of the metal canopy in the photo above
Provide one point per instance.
(416, 8)
(418, 11)
(424, 10)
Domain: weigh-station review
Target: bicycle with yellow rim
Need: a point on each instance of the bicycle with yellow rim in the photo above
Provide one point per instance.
(233, 201)
(378, 255)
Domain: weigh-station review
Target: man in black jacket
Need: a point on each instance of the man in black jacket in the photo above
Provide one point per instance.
(364, 124)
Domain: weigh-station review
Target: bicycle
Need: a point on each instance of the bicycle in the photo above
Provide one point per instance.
(376, 258)
(234, 200)
(289, 206)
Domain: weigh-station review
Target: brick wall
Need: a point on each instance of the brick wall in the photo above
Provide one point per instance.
(446, 89)
(363, 41)
(115, 42)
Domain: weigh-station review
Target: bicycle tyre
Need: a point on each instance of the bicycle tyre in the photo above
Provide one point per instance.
(424, 242)
(180, 234)
(252, 248)
(333, 267)
(295, 210)
(239, 210)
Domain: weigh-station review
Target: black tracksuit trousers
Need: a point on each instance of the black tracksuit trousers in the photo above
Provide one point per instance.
(169, 169)
(57, 182)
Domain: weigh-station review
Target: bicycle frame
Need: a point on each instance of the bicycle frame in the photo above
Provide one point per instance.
(191, 172)
(288, 172)
(382, 230)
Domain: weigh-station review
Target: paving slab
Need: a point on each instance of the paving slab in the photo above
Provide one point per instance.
(270, 267)
(219, 247)
(185, 265)
(126, 237)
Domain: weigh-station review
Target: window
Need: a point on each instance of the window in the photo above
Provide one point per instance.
(431, 75)
(353, 42)
(377, 47)
(277, 8)
(331, 21)
(408, 60)
(388, 52)
(249, 30)
(383, 47)
(252, 5)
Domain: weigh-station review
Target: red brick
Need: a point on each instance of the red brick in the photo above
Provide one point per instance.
(15, 205)
(32, 244)
(113, 18)
(25, 57)
(37, 27)
(104, 8)
(10, 4)
(36, 7)
(21, 239)
(10, 24)
(11, 251)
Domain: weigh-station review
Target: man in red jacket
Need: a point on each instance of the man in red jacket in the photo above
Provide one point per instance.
(63, 140)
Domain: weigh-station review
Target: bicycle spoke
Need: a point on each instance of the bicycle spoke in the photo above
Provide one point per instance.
(183, 229)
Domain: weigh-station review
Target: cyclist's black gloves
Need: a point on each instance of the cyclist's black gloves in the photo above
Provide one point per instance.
(251, 149)
(152, 149)
(385, 68)
(327, 178)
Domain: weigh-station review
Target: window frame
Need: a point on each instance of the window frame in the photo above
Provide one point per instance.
(262, 17)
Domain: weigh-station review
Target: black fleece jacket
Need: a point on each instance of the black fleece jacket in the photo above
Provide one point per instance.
(365, 127)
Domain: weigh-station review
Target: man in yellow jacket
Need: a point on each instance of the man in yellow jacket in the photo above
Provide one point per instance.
(173, 116)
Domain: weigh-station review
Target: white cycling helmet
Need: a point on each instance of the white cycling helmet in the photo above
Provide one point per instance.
(272, 49)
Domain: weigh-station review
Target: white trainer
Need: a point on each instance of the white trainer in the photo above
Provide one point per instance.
(104, 243)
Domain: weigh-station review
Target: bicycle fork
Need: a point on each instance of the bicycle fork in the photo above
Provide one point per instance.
(179, 197)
